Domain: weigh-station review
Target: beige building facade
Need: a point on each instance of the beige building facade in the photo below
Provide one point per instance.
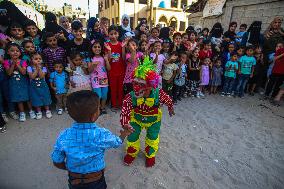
(165, 13)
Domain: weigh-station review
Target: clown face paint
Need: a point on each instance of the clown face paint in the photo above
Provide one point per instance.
(139, 87)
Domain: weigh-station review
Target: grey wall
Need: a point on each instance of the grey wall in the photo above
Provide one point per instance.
(242, 11)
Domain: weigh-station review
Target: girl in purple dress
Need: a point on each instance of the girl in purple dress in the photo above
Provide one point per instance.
(204, 75)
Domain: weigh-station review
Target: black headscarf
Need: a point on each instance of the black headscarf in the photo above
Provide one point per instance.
(254, 31)
(165, 34)
(217, 30)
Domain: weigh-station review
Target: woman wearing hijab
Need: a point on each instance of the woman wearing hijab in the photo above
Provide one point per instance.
(274, 34)
(125, 29)
(52, 26)
(64, 23)
(216, 35)
(93, 30)
(141, 29)
(253, 35)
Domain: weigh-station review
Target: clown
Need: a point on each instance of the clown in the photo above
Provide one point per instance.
(141, 110)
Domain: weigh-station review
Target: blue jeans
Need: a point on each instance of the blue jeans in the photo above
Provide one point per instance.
(4, 94)
(243, 79)
(228, 85)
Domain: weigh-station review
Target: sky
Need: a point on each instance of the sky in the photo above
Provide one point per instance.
(75, 3)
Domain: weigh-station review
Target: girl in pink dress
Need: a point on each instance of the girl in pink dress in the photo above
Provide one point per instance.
(132, 61)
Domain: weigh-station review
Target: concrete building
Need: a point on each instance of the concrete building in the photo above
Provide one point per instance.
(164, 12)
(241, 11)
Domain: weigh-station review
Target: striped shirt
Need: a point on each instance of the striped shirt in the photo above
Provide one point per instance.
(52, 55)
(127, 106)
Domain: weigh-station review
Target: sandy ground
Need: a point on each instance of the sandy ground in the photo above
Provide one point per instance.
(216, 142)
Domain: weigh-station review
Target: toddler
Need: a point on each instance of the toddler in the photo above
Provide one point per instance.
(204, 75)
(216, 76)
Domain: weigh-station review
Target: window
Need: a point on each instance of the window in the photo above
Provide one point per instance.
(183, 3)
(174, 3)
(181, 26)
(142, 1)
(129, 1)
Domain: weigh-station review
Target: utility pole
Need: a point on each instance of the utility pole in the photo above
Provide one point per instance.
(89, 9)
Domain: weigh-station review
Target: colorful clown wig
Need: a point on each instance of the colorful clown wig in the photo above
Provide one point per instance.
(147, 71)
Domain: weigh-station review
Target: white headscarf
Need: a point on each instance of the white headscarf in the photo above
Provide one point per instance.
(126, 28)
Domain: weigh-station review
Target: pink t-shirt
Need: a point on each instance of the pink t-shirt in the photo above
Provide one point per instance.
(160, 61)
(99, 75)
(7, 64)
(130, 67)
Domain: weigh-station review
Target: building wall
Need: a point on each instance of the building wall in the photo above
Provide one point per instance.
(242, 11)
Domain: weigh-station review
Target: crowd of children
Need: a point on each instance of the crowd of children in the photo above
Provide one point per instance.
(38, 68)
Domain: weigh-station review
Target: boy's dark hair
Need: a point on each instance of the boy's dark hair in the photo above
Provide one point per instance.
(82, 105)
(243, 26)
(113, 27)
(233, 23)
(176, 34)
(56, 62)
(76, 25)
(184, 34)
(16, 25)
(250, 47)
(29, 23)
(206, 42)
(26, 42)
(47, 35)
(74, 54)
(233, 53)
(205, 29)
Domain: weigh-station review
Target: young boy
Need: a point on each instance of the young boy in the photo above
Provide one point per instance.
(246, 69)
(59, 84)
(80, 149)
(53, 53)
(169, 73)
(242, 31)
(79, 44)
(231, 69)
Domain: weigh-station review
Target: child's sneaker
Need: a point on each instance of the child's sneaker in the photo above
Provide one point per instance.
(201, 94)
(22, 117)
(32, 114)
(48, 114)
(3, 129)
(222, 94)
(14, 115)
(60, 111)
(38, 115)
(5, 117)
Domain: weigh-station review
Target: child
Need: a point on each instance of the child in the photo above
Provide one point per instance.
(143, 37)
(240, 51)
(277, 98)
(242, 31)
(206, 52)
(59, 83)
(166, 49)
(17, 33)
(204, 75)
(33, 34)
(277, 73)
(80, 149)
(158, 59)
(255, 81)
(132, 61)
(79, 78)
(18, 82)
(184, 40)
(53, 53)
(98, 71)
(79, 44)
(4, 92)
(246, 69)
(144, 48)
(2, 124)
(231, 69)
(154, 36)
(29, 50)
(194, 73)
(178, 46)
(141, 109)
(192, 44)
(227, 53)
(204, 35)
(216, 76)
(169, 73)
(39, 90)
(116, 52)
(181, 74)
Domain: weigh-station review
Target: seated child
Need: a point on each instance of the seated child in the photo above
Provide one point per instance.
(80, 149)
